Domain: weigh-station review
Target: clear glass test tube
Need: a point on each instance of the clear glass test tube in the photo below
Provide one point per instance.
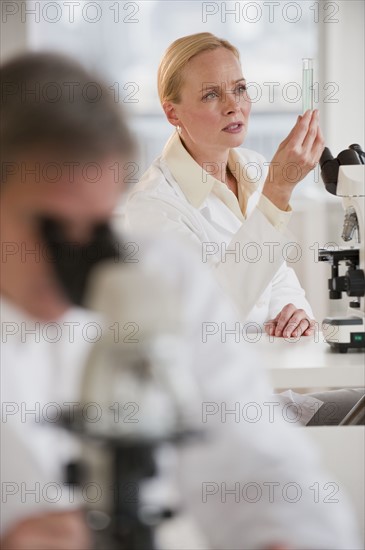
(307, 84)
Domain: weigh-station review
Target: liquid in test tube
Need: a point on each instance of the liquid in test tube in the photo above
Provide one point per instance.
(307, 84)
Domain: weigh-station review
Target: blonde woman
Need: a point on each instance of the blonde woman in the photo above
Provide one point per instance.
(221, 198)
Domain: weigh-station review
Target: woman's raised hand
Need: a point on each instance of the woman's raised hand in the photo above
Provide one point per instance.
(297, 155)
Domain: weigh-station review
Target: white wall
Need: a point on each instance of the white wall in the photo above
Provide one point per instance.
(13, 32)
(318, 216)
(343, 50)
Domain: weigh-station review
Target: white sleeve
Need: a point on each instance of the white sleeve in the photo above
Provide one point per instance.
(32, 486)
(286, 289)
(242, 280)
(271, 467)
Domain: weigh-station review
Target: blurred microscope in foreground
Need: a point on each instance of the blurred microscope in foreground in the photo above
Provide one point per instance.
(139, 378)
(146, 396)
(344, 176)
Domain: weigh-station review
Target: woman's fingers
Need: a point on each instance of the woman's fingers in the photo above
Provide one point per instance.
(310, 330)
(298, 147)
(292, 327)
(291, 133)
(318, 146)
(283, 318)
(300, 129)
(296, 156)
(297, 324)
(270, 325)
(305, 134)
(311, 134)
(290, 322)
(303, 326)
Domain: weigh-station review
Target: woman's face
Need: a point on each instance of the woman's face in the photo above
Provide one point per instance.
(213, 101)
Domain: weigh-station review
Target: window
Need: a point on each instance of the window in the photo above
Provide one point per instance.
(124, 41)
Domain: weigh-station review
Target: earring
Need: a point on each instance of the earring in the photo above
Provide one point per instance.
(178, 128)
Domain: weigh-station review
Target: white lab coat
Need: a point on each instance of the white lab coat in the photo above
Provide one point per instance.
(40, 372)
(255, 274)
(234, 451)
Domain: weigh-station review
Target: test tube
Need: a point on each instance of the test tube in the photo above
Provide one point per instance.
(307, 84)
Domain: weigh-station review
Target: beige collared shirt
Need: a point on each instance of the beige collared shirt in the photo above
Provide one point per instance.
(196, 182)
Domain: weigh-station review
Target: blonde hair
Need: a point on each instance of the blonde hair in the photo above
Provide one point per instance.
(177, 56)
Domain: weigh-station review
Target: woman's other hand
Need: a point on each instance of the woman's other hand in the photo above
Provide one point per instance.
(290, 323)
(296, 156)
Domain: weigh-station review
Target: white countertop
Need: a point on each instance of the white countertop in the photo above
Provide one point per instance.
(310, 363)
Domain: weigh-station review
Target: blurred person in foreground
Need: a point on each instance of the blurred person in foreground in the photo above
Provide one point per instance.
(46, 146)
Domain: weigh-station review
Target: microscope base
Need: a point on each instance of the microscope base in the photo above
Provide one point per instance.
(343, 333)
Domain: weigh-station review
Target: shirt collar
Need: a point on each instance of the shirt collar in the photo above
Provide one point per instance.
(196, 183)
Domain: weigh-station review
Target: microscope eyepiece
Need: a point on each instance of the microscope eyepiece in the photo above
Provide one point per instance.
(356, 147)
(348, 156)
(325, 157)
(329, 170)
(330, 166)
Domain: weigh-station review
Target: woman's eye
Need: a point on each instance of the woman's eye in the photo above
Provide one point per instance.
(241, 89)
(210, 95)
